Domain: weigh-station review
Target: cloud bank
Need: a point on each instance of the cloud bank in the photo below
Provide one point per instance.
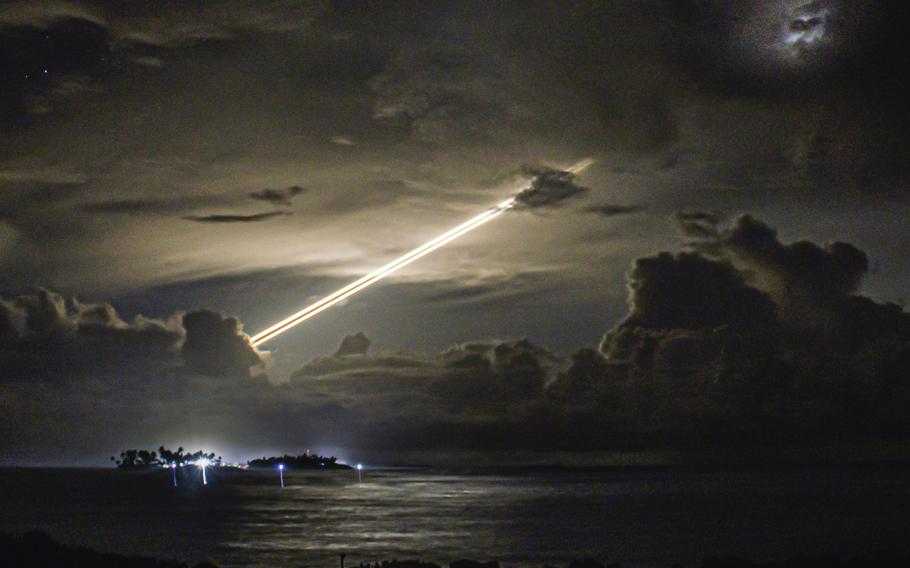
(741, 340)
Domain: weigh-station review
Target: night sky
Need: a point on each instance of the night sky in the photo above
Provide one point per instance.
(730, 271)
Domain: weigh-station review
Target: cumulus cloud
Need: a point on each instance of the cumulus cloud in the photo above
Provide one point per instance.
(707, 355)
(549, 188)
(216, 345)
(731, 345)
(688, 291)
(806, 280)
(467, 380)
(802, 276)
(44, 336)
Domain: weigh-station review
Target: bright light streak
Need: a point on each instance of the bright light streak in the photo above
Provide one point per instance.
(580, 166)
(281, 474)
(377, 275)
(202, 463)
(400, 262)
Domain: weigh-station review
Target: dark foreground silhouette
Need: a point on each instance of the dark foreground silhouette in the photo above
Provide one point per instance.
(163, 457)
(37, 548)
(143, 459)
(873, 561)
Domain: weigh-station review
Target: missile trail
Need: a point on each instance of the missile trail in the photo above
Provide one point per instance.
(377, 275)
(380, 273)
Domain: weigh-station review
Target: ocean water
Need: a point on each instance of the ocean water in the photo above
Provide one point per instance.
(522, 517)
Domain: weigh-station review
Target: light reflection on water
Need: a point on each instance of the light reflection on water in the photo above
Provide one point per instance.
(523, 518)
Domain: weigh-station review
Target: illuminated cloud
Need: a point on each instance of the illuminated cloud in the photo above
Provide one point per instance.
(703, 356)
(549, 188)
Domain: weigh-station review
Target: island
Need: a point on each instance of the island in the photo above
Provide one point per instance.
(143, 459)
(304, 461)
(166, 458)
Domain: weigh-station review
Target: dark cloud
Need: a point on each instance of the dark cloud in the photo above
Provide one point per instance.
(256, 217)
(706, 356)
(278, 196)
(55, 55)
(670, 291)
(145, 109)
(356, 344)
(47, 337)
(462, 384)
(732, 347)
(698, 224)
(144, 206)
(215, 345)
(608, 210)
(807, 281)
(800, 274)
(549, 189)
(77, 379)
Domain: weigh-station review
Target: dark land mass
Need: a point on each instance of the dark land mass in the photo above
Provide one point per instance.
(143, 459)
(163, 457)
(305, 461)
(37, 548)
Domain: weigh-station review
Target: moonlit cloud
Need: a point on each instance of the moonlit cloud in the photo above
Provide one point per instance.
(247, 159)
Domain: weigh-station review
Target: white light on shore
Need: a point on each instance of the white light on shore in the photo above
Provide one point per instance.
(202, 463)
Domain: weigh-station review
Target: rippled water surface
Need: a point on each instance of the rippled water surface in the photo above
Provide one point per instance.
(521, 517)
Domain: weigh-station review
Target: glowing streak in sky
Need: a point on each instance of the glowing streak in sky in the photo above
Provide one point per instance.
(400, 262)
